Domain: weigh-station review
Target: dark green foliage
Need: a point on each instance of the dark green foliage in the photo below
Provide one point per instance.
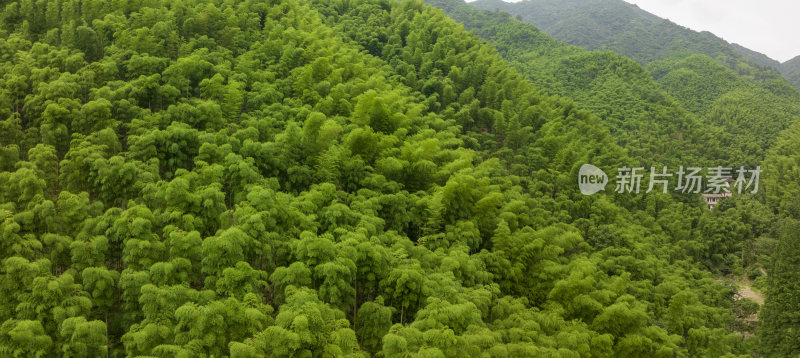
(779, 319)
(780, 315)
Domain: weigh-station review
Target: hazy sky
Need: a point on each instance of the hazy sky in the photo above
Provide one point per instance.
(767, 26)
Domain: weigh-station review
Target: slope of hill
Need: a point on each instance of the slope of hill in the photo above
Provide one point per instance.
(615, 25)
(312, 178)
(630, 31)
(756, 57)
(677, 59)
(645, 116)
(641, 116)
(791, 70)
(748, 106)
(780, 315)
(750, 115)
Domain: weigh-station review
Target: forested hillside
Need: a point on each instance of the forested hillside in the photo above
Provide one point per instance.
(616, 25)
(741, 109)
(209, 178)
(736, 107)
(757, 57)
(749, 116)
(626, 29)
(641, 116)
(700, 112)
(791, 70)
(780, 315)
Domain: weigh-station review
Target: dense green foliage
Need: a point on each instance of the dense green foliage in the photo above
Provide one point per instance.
(746, 117)
(736, 108)
(208, 178)
(780, 317)
(780, 321)
(691, 109)
(740, 114)
(641, 116)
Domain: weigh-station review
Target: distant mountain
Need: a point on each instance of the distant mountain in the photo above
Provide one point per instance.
(757, 57)
(633, 32)
(791, 70)
(730, 107)
(642, 117)
(612, 24)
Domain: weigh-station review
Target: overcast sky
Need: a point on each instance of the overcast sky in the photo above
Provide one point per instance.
(767, 26)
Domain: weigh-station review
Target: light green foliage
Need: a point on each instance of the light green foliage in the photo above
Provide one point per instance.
(84, 339)
(304, 326)
(25, 338)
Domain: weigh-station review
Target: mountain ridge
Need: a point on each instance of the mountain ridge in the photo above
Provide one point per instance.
(631, 31)
(791, 70)
(686, 91)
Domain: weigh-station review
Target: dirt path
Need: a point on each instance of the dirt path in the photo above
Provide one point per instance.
(747, 325)
(747, 292)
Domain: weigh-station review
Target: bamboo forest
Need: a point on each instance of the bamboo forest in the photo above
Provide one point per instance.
(389, 178)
